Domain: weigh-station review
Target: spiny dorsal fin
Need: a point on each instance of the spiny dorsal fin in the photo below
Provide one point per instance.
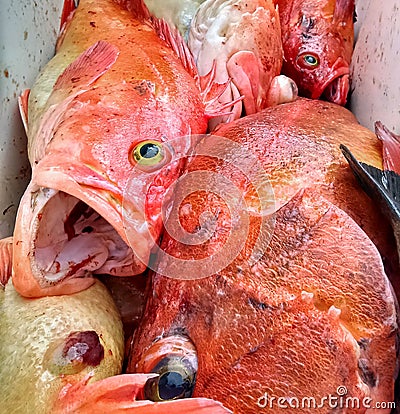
(23, 107)
(68, 8)
(344, 10)
(391, 147)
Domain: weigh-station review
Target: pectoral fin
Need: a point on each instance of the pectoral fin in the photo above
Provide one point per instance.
(117, 394)
(5, 260)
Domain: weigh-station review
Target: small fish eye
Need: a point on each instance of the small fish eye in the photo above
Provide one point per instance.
(148, 153)
(308, 60)
(177, 378)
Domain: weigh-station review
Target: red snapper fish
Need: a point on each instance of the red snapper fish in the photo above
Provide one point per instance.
(241, 40)
(304, 310)
(318, 39)
(121, 86)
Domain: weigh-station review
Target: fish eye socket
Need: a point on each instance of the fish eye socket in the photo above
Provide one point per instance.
(148, 153)
(177, 378)
(308, 61)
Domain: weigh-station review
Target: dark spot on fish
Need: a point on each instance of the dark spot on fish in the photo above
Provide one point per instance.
(92, 12)
(84, 347)
(144, 87)
(258, 305)
(75, 79)
(5, 211)
(87, 229)
(363, 343)
(366, 373)
(93, 24)
(305, 36)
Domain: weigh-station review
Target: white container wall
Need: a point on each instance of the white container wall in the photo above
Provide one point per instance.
(28, 33)
(375, 66)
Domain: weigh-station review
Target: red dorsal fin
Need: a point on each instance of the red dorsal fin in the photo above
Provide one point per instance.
(391, 147)
(175, 41)
(5, 260)
(88, 66)
(23, 107)
(344, 10)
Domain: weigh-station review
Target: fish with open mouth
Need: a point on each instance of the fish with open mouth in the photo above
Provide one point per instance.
(318, 39)
(304, 309)
(121, 85)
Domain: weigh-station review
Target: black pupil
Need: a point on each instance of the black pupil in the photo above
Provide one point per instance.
(149, 150)
(310, 60)
(171, 385)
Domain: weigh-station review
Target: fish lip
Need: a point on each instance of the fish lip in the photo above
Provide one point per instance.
(340, 71)
(102, 196)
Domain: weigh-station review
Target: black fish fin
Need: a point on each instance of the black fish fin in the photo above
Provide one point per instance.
(381, 186)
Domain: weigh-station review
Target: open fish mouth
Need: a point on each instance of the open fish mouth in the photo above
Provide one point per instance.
(336, 90)
(70, 239)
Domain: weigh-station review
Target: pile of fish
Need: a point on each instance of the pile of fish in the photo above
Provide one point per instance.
(169, 141)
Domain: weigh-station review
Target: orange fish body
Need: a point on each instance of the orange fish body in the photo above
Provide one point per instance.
(318, 41)
(304, 310)
(113, 95)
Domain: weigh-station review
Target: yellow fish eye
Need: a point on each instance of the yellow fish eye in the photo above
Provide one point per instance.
(148, 153)
(308, 60)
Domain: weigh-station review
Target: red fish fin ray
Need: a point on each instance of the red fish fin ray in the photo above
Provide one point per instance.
(5, 260)
(88, 66)
(120, 390)
(344, 10)
(118, 394)
(211, 91)
(391, 147)
(23, 107)
(243, 68)
(174, 40)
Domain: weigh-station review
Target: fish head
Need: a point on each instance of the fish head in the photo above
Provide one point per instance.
(317, 56)
(98, 187)
(279, 320)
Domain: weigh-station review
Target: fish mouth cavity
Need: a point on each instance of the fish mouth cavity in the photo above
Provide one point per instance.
(70, 239)
(336, 88)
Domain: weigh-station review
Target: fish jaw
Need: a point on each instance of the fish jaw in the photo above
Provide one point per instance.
(66, 231)
(337, 86)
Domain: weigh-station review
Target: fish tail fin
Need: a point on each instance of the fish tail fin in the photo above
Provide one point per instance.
(382, 186)
(118, 394)
(5, 260)
(391, 147)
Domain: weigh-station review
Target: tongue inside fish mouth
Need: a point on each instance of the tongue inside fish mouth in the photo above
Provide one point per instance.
(337, 90)
(72, 240)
